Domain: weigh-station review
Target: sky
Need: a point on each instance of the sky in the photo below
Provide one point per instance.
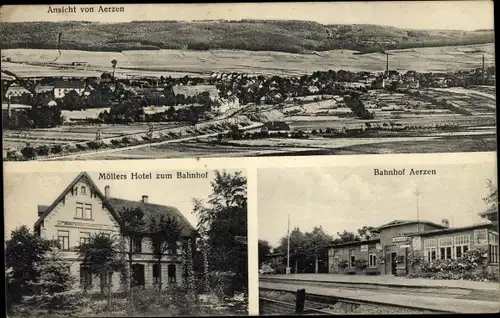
(24, 191)
(348, 198)
(456, 15)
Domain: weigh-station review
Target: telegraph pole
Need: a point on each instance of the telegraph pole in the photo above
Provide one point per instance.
(288, 271)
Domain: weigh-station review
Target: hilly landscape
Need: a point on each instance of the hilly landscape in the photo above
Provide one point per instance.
(251, 35)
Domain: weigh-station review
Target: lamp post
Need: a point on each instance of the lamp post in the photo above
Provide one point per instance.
(288, 271)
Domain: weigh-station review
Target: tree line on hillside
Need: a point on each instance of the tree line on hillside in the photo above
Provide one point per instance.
(273, 35)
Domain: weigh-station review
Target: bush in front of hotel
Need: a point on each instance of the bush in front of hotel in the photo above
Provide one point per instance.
(14, 155)
(52, 289)
(29, 152)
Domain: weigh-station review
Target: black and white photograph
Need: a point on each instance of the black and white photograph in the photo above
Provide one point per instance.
(126, 244)
(376, 240)
(140, 81)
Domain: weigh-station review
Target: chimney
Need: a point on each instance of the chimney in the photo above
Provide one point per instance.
(107, 192)
(445, 223)
(145, 199)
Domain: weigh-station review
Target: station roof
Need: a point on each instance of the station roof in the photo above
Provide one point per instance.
(480, 225)
(362, 242)
(407, 222)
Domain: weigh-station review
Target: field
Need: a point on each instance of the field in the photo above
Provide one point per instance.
(184, 62)
(72, 134)
(480, 140)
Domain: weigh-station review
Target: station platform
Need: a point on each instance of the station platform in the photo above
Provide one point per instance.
(428, 302)
(390, 281)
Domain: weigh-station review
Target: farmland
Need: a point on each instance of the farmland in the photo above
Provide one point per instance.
(184, 62)
(312, 146)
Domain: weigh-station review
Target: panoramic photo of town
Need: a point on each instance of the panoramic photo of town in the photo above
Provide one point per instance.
(238, 88)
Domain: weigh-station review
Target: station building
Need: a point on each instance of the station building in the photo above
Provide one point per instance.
(82, 209)
(387, 253)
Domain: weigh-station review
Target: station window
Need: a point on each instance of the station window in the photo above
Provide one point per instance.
(445, 247)
(372, 260)
(493, 248)
(353, 260)
(462, 245)
(430, 248)
(480, 236)
(63, 239)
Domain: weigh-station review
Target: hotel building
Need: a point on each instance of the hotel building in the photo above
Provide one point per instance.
(82, 209)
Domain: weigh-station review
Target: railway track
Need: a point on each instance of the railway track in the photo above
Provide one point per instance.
(331, 305)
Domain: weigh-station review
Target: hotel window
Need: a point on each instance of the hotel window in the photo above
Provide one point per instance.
(85, 275)
(171, 273)
(88, 212)
(372, 260)
(156, 273)
(84, 237)
(83, 190)
(138, 245)
(480, 236)
(445, 247)
(462, 244)
(63, 239)
(79, 210)
(493, 248)
(430, 248)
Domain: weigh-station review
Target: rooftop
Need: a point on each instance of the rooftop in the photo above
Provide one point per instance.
(407, 222)
(69, 84)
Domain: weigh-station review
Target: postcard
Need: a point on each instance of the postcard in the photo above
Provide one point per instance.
(250, 158)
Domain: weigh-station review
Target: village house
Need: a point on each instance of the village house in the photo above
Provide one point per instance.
(17, 94)
(42, 89)
(397, 239)
(275, 260)
(61, 88)
(82, 209)
(276, 127)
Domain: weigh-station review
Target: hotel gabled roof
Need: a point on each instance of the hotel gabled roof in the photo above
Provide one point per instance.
(118, 206)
